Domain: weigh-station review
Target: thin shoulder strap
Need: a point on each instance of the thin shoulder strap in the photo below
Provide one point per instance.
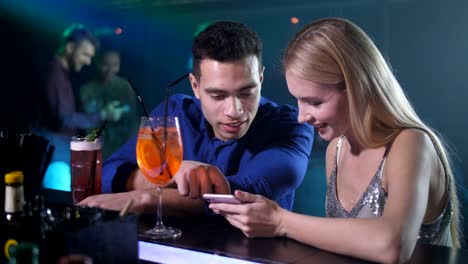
(338, 150)
(384, 158)
(335, 164)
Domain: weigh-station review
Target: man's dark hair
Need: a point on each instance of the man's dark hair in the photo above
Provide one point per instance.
(225, 41)
(78, 33)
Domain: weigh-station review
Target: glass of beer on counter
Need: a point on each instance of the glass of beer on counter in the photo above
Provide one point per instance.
(86, 168)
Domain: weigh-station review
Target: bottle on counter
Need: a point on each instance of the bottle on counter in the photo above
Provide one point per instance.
(23, 253)
(14, 196)
(11, 222)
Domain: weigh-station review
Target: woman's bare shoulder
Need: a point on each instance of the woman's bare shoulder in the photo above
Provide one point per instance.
(412, 147)
(413, 138)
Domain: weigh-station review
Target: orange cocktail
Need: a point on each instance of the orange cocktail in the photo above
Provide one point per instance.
(151, 152)
(159, 155)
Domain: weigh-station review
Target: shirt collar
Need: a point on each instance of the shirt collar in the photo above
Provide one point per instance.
(207, 129)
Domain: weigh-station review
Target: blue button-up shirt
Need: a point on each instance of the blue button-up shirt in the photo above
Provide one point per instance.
(270, 159)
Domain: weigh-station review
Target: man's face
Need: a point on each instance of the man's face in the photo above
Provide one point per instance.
(80, 54)
(229, 93)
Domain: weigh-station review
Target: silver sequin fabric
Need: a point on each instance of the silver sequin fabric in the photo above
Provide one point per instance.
(372, 204)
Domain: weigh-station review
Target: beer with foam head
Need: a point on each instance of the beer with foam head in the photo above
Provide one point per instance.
(86, 168)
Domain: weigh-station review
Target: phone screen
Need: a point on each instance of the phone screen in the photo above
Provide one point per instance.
(221, 198)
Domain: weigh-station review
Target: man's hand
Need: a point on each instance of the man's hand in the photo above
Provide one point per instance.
(144, 201)
(194, 179)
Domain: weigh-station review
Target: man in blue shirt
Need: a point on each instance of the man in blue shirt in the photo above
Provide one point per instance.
(232, 137)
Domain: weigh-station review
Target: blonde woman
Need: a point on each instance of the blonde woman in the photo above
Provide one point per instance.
(389, 177)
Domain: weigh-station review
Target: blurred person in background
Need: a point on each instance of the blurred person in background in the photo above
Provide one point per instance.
(59, 120)
(105, 88)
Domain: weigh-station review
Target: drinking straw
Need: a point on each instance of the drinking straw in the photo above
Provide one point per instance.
(141, 101)
(160, 148)
(100, 129)
(126, 207)
(166, 104)
(166, 100)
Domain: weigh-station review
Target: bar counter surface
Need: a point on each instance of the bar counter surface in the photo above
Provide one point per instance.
(214, 235)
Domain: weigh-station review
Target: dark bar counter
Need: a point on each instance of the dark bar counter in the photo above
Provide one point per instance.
(214, 235)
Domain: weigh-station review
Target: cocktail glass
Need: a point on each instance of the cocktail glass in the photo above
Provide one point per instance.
(159, 154)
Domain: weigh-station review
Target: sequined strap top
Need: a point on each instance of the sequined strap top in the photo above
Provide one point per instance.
(372, 204)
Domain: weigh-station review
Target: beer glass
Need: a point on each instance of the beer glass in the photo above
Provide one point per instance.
(159, 154)
(86, 168)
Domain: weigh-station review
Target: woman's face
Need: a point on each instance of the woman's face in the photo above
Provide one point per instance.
(324, 106)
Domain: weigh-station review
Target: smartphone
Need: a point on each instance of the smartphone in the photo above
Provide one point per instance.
(221, 198)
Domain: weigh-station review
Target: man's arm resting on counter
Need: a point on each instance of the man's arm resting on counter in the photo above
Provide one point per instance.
(137, 181)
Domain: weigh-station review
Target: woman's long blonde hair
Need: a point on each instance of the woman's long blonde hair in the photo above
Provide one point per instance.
(335, 51)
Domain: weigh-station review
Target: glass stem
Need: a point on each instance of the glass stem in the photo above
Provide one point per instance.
(159, 223)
